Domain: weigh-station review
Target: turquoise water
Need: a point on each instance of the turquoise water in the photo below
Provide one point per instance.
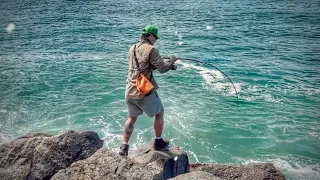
(63, 65)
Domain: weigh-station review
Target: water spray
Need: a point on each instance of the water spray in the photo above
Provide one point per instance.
(209, 64)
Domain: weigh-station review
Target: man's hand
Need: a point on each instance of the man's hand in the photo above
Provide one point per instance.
(173, 59)
(174, 67)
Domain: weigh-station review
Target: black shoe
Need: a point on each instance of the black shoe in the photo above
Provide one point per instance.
(160, 144)
(124, 150)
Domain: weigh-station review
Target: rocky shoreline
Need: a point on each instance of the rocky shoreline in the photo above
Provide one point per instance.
(80, 155)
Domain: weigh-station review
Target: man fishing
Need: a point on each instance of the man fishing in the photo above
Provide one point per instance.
(144, 58)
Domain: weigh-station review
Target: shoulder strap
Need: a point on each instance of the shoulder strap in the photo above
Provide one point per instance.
(150, 60)
(135, 57)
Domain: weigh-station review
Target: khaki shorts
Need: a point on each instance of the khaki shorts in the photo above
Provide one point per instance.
(150, 104)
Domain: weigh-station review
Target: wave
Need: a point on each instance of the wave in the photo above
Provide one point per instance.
(294, 170)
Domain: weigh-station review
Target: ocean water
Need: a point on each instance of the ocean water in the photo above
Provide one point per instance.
(63, 65)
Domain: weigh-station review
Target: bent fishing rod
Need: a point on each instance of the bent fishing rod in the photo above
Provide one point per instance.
(209, 64)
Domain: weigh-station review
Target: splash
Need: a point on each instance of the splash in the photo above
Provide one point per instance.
(209, 27)
(212, 80)
(10, 28)
(292, 169)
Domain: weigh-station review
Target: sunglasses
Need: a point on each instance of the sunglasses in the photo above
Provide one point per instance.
(154, 36)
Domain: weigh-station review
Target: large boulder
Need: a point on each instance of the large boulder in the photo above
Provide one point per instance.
(256, 171)
(40, 155)
(16, 156)
(146, 163)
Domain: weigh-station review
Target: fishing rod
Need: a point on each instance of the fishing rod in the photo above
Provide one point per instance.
(209, 64)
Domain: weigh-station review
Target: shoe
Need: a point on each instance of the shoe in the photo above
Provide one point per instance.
(124, 150)
(160, 144)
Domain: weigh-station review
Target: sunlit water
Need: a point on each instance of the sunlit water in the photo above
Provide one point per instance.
(63, 66)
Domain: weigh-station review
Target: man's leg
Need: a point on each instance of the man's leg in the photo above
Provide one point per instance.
(159, 143)
(158, 124)
(127, 131)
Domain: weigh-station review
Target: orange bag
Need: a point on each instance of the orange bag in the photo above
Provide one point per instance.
(144, 86)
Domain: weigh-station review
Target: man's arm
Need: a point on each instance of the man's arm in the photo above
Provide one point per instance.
(157, 61)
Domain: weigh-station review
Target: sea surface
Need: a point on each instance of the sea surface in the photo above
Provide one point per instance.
(63, 65)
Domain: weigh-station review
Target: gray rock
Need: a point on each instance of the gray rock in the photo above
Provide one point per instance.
(257, 171)
(173, 161)
(40, 155)
(69, 156)
(196, 175)
(16, 156)
(145, 164)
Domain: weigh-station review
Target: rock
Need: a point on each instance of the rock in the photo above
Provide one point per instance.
(104, 164)
(173, 162)
(251, 171)
(78, 155)
(196, 175)
(16, 156)
(40, 155)
(145, 164)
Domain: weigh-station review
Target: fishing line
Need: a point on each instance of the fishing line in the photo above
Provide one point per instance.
(209, 64)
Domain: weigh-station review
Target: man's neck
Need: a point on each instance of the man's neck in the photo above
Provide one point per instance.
(145, 40)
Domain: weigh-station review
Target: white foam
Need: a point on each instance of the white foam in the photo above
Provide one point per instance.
(294, 169)
(194, 155)
(110, 138)
(209, 27)
(212, 78)
(180, 43)
(310, 91)
(299, 171)
(270, 98)
(10, 27)
(5, 138)
(252, 93)
(232, 90)
(139, 139)
(204, 71)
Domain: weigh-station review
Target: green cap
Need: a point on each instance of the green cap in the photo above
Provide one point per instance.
(151, 29)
